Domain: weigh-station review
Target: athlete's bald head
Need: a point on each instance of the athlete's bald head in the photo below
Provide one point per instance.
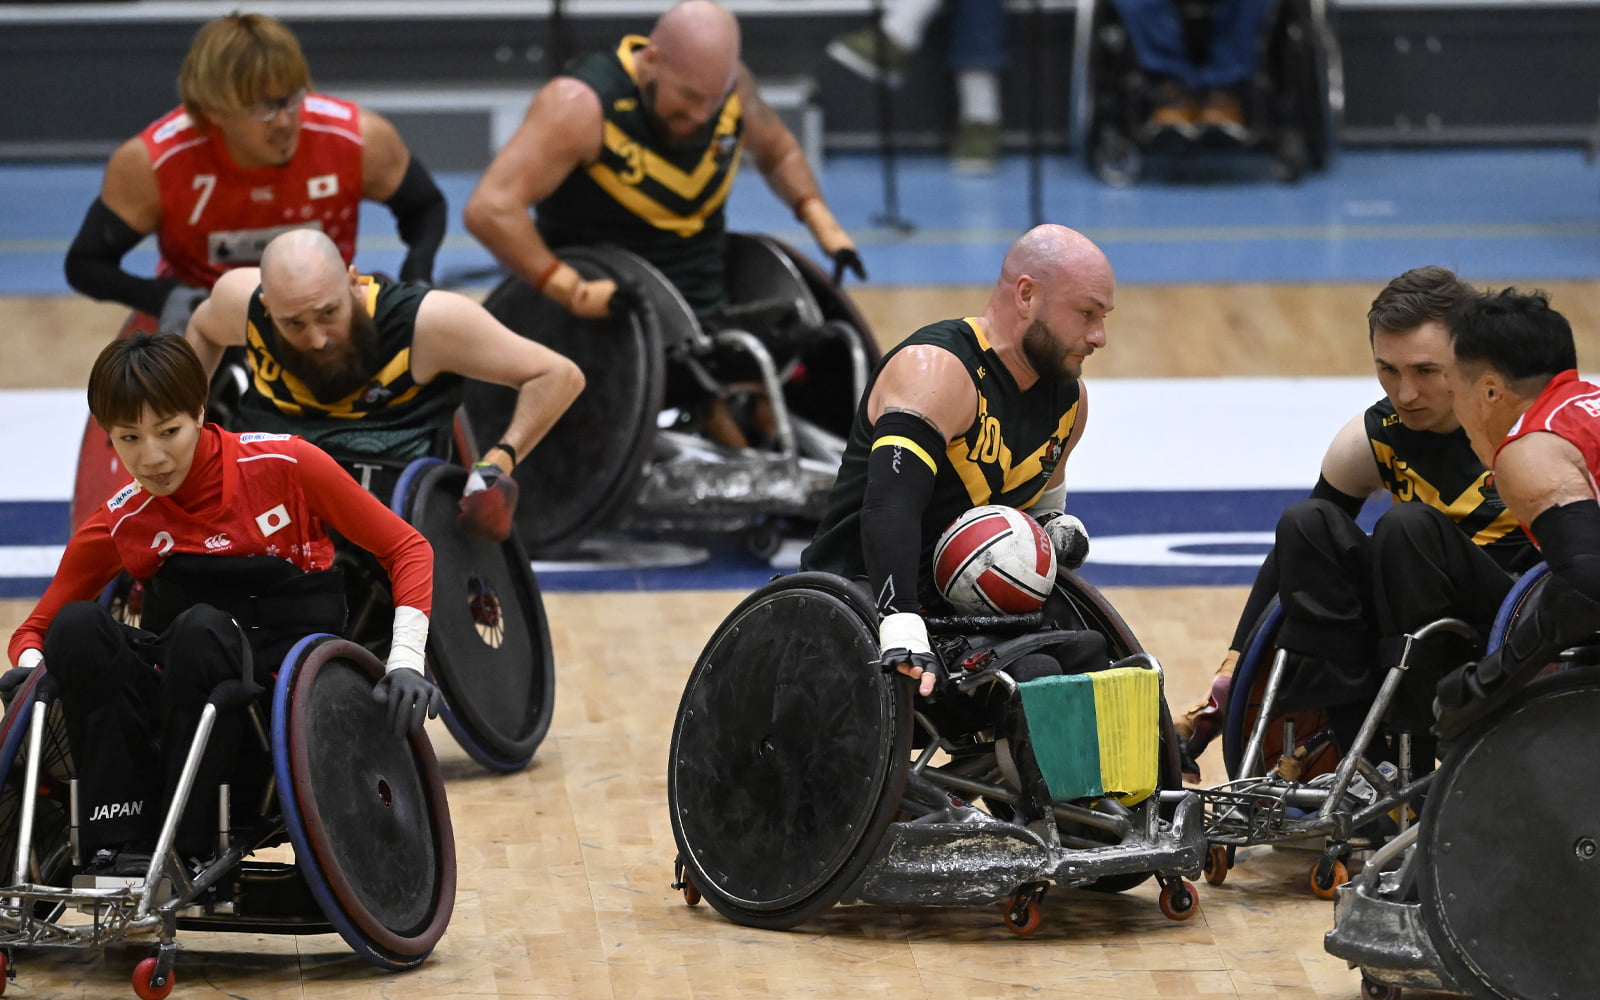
(698, 40)
(1048, 308)
(689, 68)
(300, 257)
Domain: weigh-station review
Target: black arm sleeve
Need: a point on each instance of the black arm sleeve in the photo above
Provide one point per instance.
(94, 263)
(420, 213)
(900, 477)
(1266, 585)
(1569, 538)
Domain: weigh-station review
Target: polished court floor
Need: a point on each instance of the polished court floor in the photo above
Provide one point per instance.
(1233, 287)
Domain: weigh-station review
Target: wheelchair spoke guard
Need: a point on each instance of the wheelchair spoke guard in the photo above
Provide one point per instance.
(365, 811)
(789, 753)
(1511, 847)
(488, 640)
(585, 471)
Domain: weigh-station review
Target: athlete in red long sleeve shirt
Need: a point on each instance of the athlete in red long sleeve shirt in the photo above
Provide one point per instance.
(229, 534)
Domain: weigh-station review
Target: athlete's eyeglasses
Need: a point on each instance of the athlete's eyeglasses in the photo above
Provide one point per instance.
(268, 111)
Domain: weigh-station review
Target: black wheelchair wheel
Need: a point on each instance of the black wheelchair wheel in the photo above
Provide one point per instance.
(365, 811)
(488, 639)
(50, 856)
(585, 472)
(789, 753)
(1510, 846)
(1245, 697)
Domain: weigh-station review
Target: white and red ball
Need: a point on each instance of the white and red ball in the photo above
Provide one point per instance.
(994, 560)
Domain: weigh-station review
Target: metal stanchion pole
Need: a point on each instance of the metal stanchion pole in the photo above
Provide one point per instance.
(890, 217)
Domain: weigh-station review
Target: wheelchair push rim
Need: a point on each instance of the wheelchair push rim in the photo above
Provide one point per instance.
(586, 470)
(365, 812)
(488, 638)
(789, 753)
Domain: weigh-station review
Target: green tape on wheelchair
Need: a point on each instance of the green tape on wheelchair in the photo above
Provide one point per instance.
(1096, 734)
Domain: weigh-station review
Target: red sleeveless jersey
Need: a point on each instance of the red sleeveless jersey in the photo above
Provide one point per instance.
(216, 215)
(1569, 408)
(248, 494)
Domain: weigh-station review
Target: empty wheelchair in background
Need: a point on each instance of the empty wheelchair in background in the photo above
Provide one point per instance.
(488, 638)
(1292, 102)
(802, 774)
(1488, 894)
(365, 814)
(615, 459)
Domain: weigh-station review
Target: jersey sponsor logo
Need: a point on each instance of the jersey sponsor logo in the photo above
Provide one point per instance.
(982, 371)
(726, 145)
(1391, 420)
(255, 436)
(261, 194)
(162, 543)
(220, 541)
(325, 186)
(172, 128)
(376, 393)
(116, 810)
(273, 521)
(235, 247)
(1590, 406)
(1052, 451)
(323, 106)
(625, 104)
(123, 496)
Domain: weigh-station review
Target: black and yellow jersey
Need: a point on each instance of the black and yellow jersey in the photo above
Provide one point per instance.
(390, 416)
(662, 201)
(1006, 456)
(1441, 471)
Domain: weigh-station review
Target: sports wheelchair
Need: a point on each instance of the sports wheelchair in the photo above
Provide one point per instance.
(1487, 894)
(365, 814)
(1292, 102)
(1289, 781)
(801, 774)
(488, 638)
(615, 459)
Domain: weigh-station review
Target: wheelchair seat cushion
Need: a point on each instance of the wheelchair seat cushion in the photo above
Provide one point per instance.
(1096, 734)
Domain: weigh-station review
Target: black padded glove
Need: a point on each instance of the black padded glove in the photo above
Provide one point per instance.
(235, 693)
(11, 682)
(411, 700)
(846, 259)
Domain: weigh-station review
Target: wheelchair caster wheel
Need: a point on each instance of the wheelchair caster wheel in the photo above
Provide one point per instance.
(1022, 916)
(1326, 876)
(1179, 901)
(691, 895)
(764, 540)
(1377, 991)
(144, 985)
(1216, 866)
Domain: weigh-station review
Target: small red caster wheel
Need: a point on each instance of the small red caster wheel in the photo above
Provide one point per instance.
(1377, 991)
(144, 988)
(1022, 916)
(691, 894)
(1179, 901)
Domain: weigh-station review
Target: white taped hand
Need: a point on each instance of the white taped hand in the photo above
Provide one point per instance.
(903, 644)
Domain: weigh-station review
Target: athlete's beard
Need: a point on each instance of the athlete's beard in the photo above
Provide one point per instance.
(333, 375)
(699, 137)
(1046, 356)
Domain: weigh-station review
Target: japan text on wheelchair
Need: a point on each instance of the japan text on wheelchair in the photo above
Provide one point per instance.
(364, 812)
(1291, 103)
(617, 459)
(803, 774)
(1488, 893)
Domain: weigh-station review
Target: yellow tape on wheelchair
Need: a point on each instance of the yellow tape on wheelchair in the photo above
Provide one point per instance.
(1096, 734)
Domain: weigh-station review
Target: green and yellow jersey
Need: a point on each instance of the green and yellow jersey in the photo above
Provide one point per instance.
(1006, 456)
(390, 416)
(662, 201)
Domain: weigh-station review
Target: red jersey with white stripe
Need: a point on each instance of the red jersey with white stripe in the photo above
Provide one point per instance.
(245, 494)
(1568, 407)
(215, 215)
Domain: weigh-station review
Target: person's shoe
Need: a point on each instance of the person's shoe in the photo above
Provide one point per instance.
(713, 420)
(1175, 110)
(1222, 112)
(858, 52)
(975, 148)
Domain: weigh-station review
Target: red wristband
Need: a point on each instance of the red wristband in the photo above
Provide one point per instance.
(547, 274)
